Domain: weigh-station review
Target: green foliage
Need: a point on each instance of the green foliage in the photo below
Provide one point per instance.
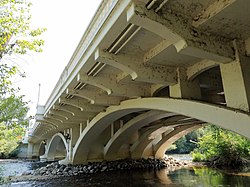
(9, 138)
(222, 147)
(185, 144)
(16, 36)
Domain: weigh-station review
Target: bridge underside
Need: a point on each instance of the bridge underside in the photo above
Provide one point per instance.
(146, 73)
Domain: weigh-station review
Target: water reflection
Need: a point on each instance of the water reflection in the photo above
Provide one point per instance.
(185, 177)
(207, 177)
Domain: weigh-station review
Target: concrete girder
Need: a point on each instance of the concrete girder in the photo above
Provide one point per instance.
(80, 104)
(94, 81)
(65, 112)
(121, 136)
(187, 40)
(53, 120)
(96, 98)
(58, 114)
(199, 67)
(85, 107)
(159, 48)
(40, 118)
(211, 11)
(161, 147)
(110, 84)
(77, 116)
(140, 72)
(52, 117)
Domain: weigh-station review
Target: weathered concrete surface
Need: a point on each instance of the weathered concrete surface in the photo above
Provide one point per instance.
(188, 58)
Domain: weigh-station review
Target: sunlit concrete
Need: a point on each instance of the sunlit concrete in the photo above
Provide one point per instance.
(143, 73)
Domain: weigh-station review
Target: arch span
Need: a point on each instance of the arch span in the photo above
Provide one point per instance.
(121, 136)
(147, 139)
(52, 147)
(231, 119)
(161, 147)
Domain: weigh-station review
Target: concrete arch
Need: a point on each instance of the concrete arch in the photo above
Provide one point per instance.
(161, 147)
(52, 147)
(215, 114)
(121, 136)
(139, 147)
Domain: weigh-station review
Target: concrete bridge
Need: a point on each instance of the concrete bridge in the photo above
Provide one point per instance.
(145, 73)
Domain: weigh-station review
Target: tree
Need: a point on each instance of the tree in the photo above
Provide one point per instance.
(222, 148)
(16, 37)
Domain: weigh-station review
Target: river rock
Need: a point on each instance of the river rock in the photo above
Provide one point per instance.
(95, 167)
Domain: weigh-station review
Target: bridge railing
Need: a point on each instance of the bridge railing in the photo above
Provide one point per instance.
(97, 21)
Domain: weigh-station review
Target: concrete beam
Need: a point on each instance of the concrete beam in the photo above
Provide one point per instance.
(211, 11)
(93, 81)
(137, 70)
(187, 40)
(73, 111)
(59, 114)
(96, 98)
(53, 118)
(109, 84)
(41, 118)
(75, 102)
(159, 48)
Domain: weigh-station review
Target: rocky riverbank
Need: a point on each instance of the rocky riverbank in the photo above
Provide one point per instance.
(55, 169)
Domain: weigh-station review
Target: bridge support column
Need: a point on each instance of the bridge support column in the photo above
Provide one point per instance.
(30, 150)
(74, 134)
(236, 81)
(185, 88)
(33, 150)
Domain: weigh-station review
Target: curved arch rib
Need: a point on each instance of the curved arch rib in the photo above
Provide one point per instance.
(51, 151)
(120, 137)
(218, 115)
(161, 147)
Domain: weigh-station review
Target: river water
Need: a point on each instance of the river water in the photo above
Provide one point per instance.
(184, 177)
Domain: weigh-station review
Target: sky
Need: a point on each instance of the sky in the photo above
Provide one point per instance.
(66, 22)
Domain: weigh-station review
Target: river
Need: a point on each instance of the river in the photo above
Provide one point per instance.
(184, 177)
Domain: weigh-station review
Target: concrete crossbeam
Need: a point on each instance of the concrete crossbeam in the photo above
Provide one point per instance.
(187, 40)
(96, 98)
(137, 70)
(109, 84)
(211, 11)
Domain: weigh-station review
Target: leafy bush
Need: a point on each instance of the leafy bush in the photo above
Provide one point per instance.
(222, 148)
(9, 139)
